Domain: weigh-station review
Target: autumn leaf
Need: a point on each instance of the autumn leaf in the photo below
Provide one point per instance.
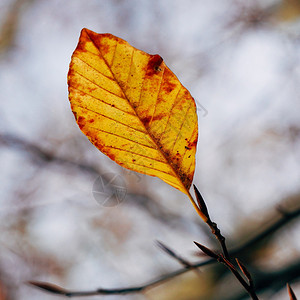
(133, 108)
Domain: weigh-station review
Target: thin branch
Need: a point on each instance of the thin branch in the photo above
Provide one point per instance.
(245, 272)
(249, 288)
(277, 225)
(46, 156)
(41, 156)
(54, 289)
(225, 258)
(283, 220)
(173, 254)
(220, 258)
(11, 23)
(212, 225)
(273, 280)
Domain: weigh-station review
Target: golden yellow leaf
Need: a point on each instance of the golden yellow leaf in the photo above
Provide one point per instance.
(133, 108)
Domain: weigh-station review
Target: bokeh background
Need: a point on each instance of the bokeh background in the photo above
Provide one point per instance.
(240, 61)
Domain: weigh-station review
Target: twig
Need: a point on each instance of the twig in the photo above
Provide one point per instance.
(54, 289)
(179, 258)
(47, 156)
(172, 253)
(43, 155)
(245, 272)
(212, 225)
(248, 287)
(273, 280)
(270, 278)
(223, 258)
(270, 230)
(285, 218)
(220, 258)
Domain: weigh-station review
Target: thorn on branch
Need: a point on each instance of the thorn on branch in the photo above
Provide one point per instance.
(207, 251)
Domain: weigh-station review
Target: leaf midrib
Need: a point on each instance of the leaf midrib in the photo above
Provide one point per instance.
(143, 125)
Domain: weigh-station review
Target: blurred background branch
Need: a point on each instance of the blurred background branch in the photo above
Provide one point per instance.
(264, 281)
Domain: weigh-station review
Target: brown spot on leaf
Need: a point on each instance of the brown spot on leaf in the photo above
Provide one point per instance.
(97, 40)
(80, 119)
(111, 156)
(166, 152)
(190, 178)
(185, 179)
(91, 89)
(75, 115)
(153, 66)
(159, 117)
(71, 72)
(146, 120)
(169, 86)
(159, 100)
(104, 149)
(105, 49)
(192, 144)
(81, 47)
(81, 122)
